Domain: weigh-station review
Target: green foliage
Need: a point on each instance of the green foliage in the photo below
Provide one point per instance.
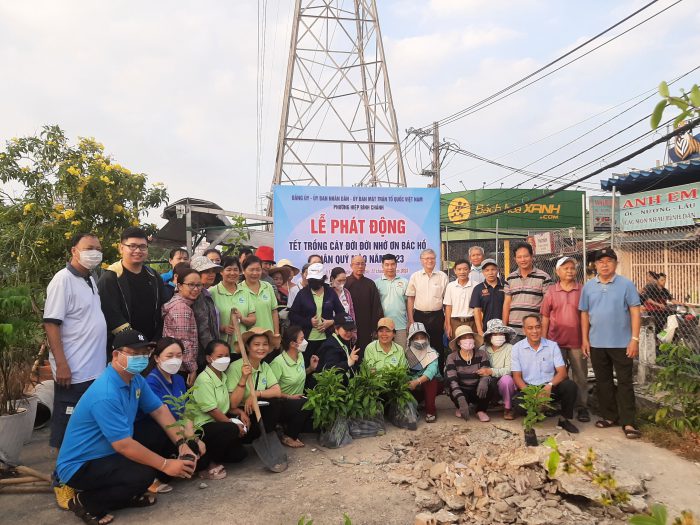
(185, 406)
(659, 516)
(364, 392)
(237, 236)
(303, 520)
(62, 189)
(395, 379)
(585, 466)
(535, 400)
(20, 340)
(327, 400)
(678, 383)
(688, 103)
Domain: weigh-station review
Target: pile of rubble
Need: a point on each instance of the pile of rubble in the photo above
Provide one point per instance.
(489, 477)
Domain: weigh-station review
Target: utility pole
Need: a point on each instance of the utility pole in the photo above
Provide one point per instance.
(436, 155)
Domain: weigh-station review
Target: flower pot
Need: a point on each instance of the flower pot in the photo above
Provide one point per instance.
(44, 393)
(12, 433)
(30, 403)
(531, 438)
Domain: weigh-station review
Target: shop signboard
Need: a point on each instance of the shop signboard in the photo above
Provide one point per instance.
(665, 208)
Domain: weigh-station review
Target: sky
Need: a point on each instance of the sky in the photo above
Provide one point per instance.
(171, 88)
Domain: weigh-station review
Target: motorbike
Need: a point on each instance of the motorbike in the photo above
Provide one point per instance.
(682, 327)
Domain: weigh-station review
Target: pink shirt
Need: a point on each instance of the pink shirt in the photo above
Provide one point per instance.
(564, 318)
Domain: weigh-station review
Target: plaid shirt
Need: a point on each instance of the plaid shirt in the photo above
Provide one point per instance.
(179, 322)
(526, 295)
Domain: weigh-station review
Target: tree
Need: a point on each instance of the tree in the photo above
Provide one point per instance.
(687, 102)
(59, 190)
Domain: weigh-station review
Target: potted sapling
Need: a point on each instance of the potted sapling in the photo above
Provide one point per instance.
(402, 409)
(365, 406)
(183, 409)
(327, 403)
(535, 399)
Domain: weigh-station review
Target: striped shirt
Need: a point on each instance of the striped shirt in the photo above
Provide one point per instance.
(462, 374)
(526, 295)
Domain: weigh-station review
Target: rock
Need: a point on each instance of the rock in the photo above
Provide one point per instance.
(576, 485)
(502, 491)
(571, 507)
(422, 484)
(628, 482)
(501, 506)
(399, 477)
(635, 505)
(502, 513)
(426, 499)
(438, 469)
(551, 503)
(445, 516)
(203, 485)
(453, 500)
(425, 518)
(464, 485)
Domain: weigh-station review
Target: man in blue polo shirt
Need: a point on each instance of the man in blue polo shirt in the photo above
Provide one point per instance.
(610, 322)
(538, 361)
(98, 457)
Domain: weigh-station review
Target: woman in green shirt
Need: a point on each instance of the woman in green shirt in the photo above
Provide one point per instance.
(222, 433)
(384, 351)
(229, 296)
(290, 372)
(263, 295)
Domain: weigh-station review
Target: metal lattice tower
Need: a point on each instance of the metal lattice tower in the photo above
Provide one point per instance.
(338, 123)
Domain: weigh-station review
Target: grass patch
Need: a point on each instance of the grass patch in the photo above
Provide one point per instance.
(686, 445)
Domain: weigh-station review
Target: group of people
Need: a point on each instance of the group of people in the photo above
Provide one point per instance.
(123, 442)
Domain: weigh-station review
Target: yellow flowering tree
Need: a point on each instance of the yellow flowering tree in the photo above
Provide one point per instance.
(53, 189)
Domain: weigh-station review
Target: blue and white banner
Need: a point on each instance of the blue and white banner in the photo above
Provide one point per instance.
(339, 223)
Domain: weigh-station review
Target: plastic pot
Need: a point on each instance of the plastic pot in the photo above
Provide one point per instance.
(531, 438)
(12, 433)
(30, 403)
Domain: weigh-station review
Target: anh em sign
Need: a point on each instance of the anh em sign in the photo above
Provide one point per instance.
(677, 206)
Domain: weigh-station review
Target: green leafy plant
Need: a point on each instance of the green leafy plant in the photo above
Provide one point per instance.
(303, 520)
(534, 401)
(687, 102)
(20, 341)
(364, 394)
(327, 400)
(395, 379)
(585, 465)
(678, 384)
(185, 409)
(659, 516)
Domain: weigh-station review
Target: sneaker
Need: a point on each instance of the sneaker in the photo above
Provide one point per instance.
(565, 424)
(583, 415)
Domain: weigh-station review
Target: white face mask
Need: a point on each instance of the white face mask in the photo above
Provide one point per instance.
(90, 259)
(498, 340)
(302, 346)
(221, 364)
(467, 344)
(339, 286)
(170, 366)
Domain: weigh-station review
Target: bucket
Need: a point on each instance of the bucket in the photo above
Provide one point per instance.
(30, 403)
(12, 433)
(44, 393)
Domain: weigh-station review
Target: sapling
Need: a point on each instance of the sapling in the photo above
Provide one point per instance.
(535, 399)
(183, 410)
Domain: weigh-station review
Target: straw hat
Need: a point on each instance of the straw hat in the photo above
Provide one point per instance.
(465, 330)
(288, 264)
(273, 339)
(284, 270)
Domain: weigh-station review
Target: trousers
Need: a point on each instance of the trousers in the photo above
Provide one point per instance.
(616, 402)
(565, 392)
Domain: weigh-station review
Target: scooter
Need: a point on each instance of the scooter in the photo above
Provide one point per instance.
(682, 328)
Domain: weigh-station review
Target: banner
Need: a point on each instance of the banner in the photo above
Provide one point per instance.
(600, 213)
(339, 223)
(676, 206)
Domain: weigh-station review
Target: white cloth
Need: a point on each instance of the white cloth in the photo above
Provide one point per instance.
(458, 297)
(70, 300)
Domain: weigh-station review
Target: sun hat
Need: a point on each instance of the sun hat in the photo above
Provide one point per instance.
(273, 339)
(200, 263)
(284, 270)
(462, 331)
(496, 326)
(288, 264)
(265, 253)
(417, 328)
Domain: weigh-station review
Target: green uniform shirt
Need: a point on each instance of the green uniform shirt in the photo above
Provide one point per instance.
(263, 375)
(210, 392)
(291, 375)
(393, 296)
(377, 359)
(264, 303)
(315, 335)
(242, 300)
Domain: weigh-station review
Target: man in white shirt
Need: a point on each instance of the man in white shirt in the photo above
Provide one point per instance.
(76, 330)
(458, 295)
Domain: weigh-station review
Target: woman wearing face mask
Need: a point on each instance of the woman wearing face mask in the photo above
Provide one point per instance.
(179, 320)
(464, 383)
(228, 296)
(164, 380)
(423, 367)
(291, 374)
(314, 309)
(337, 351)
(497, 342)
(338, 279)
(223, 427)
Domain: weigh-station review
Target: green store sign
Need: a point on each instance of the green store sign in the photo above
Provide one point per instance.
(466, 208)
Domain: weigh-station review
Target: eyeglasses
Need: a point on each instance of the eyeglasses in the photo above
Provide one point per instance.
(136, 247)
(193, 286)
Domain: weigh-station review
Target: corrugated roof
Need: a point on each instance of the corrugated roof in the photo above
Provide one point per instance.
(655, 178)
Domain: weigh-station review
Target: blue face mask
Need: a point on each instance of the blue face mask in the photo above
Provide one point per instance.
(135, 364)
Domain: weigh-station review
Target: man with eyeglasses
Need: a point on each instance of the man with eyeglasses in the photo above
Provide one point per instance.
(132, 293)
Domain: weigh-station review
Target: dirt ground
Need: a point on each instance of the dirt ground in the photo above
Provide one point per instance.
(323, 484)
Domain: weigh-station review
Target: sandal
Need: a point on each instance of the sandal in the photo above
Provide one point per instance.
(81, 512)
(508, 414)
(144, 500)
(458, 413)
(159, 487)
(216, 472)
(430, 418)
(291, 442)
(483, 416)
(604, 423)
(631, 432)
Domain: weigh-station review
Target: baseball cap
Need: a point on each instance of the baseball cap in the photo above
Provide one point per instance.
(344, 320)
(201, 263)
(605, 252)
(487, 262)
(563, 260)
(315, 271)
(386, 322)
(131, 338)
